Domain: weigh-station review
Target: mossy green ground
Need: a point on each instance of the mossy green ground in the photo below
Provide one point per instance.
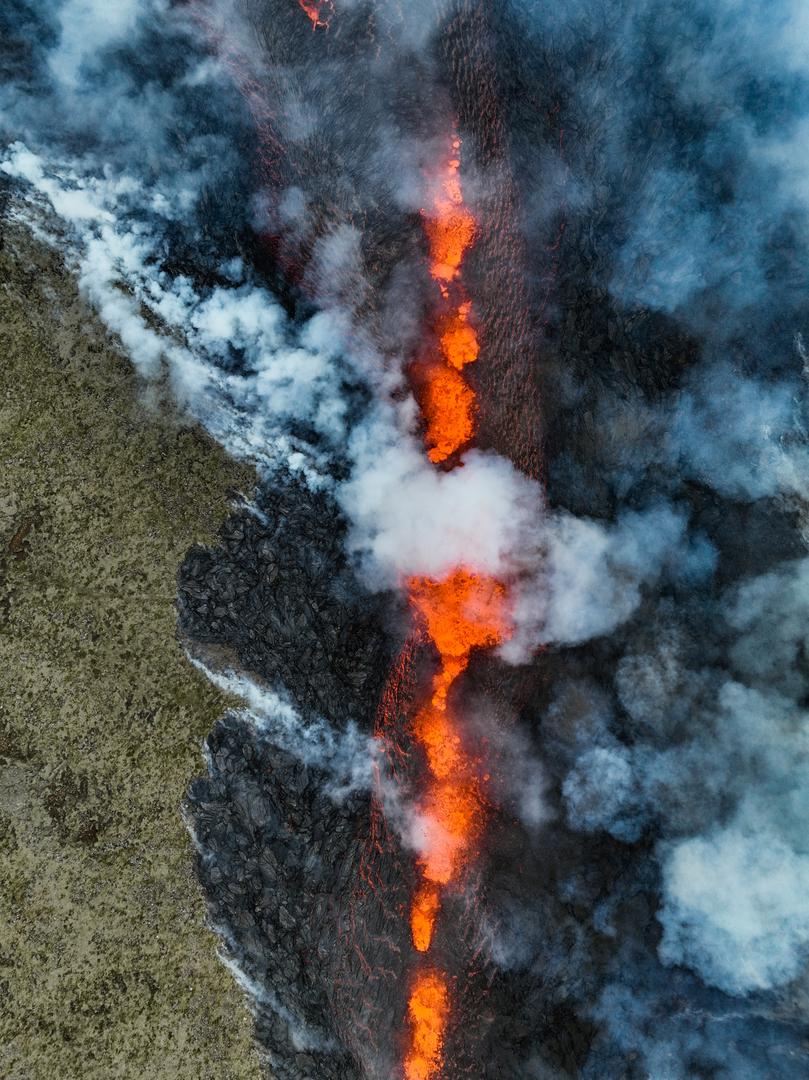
(106, 967)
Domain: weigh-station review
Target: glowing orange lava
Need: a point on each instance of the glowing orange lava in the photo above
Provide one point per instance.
(428, 1010)
(459, 342)
(422, 918)
(461, 612)
(449, 224)
(315, 9)
(448, 405)
(447, 402)
(458, 613)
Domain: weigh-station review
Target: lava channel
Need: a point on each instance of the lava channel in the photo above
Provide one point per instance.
(466, 610)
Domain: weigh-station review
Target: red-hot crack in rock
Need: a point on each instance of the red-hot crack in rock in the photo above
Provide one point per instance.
(474, 382)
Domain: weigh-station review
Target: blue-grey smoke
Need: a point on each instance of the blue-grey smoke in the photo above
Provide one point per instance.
(685, 144)
(678, 746)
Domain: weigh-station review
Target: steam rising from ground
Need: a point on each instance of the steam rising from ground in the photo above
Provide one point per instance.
(687, 574)
(239, 365)
(347, 758)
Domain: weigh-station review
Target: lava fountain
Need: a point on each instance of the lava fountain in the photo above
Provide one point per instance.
(428, 1008)
(446, 400)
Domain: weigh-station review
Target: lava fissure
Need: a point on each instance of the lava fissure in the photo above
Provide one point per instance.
(464, 611)
(428, 1010)
(446, 400)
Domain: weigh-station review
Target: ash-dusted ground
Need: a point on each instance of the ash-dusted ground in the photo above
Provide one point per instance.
(106, 967)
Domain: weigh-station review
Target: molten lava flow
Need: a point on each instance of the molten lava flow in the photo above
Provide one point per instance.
(315, 9)
(428, 1010)
(461, 612)
(459, 342)
(447, 402)
(450, 225)
(422, 917)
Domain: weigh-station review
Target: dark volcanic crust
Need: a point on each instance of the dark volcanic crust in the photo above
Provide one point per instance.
(278, 855)
(276, 590)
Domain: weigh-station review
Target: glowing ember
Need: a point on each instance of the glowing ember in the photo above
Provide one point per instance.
(429, 1007)
(315, 10)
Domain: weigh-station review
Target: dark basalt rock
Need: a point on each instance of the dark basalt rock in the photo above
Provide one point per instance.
(278, 592)
(278, 854)
(274, 851)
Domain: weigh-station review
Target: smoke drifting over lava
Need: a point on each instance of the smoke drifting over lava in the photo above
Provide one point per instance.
(506, 302)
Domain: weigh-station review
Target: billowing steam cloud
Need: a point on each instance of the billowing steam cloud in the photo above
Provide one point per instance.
(689, 155)
(578, 579)
(663, 568)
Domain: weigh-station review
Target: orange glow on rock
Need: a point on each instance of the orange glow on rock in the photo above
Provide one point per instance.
(315, 10)
(428, 1011)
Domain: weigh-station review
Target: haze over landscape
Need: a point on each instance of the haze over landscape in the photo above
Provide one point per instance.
(407, 403)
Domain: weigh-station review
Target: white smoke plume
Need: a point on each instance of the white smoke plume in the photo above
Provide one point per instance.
(693, 749)
(351, 761)
(576, 579)
(348, 758)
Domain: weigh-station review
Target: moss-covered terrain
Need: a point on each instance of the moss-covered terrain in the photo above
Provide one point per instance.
(106, 966)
